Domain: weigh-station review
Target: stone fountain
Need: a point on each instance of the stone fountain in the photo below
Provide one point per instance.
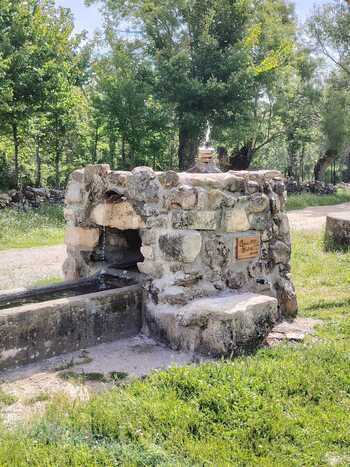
(213, 249)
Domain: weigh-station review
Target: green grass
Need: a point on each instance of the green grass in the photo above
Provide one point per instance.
(6, 399)
(305, 200)
(50, 280)
(36, 227)
(284, 406)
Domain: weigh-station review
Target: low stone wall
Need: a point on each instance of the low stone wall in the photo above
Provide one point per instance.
(200, 234)
(30, 197)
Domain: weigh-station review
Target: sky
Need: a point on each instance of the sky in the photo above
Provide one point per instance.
(89, 18)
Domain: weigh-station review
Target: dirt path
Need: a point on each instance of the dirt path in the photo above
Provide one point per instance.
(314, 218)
(23, 267)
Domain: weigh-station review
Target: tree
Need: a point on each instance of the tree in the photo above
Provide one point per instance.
(38, 58)
(259, 122)
(335, 124)
(330, 30)
(123, 98)
(202, 56)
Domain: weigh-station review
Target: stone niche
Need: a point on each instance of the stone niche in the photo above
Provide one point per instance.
(194, 236)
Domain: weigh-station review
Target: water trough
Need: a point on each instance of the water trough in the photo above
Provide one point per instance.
(45, 321)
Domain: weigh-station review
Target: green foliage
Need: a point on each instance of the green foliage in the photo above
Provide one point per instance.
(35, 227)
(330, 28)
(288, 405)
(39, 68)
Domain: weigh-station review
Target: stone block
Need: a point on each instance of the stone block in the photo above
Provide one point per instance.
(83, 238)
(338, 232)
(215, 199)
(235, 220)
(252, 187)
(180, 246)
(184, 197)
(147, 252)
(92, 172)
(74, 192)
(120, 216)
(144, 185)
(287, 298)
(223, 325)
(258, 203)
(280, 252)
(196, 220)
(169, 179)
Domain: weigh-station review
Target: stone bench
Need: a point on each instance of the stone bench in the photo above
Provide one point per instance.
(227, 324)
(338, 231)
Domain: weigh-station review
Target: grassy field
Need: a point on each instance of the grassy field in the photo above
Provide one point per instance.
(39, 227)
(285, 406)
(305, 200)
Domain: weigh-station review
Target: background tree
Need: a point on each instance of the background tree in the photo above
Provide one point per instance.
(202, 53)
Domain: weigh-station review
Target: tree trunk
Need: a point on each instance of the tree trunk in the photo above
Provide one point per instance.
(37, 164)
(323, 163)
(95, 143)
(123, 152)
(58, 165)
(188, 148)
(223, 158)
(112, 145)
(16, 152)
(242, 158)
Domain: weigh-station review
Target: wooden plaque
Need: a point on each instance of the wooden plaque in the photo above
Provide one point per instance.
(248, 247)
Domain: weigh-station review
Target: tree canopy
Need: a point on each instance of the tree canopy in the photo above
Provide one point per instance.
(274, 94)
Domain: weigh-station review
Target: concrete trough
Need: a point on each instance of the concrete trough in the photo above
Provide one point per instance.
(80, 314)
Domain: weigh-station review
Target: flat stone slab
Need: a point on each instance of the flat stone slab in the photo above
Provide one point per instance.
(292, 331)
(223, 325)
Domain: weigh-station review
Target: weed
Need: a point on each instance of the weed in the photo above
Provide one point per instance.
(6, 399)
(41, 397)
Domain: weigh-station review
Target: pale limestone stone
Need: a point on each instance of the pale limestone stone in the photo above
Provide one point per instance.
(235, 220)
(184, 197)
(215, 199)
(84, 238)
(181, 246)
(120, 216)
(147, 252)
(74, 193)
(196, 220)
(154, 269)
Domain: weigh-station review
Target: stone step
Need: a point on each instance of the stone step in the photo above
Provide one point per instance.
(228, 324)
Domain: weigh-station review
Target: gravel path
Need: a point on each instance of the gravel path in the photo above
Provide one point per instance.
(314, 218)
(23, 267)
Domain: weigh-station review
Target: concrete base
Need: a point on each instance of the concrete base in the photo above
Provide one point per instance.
(222, 325)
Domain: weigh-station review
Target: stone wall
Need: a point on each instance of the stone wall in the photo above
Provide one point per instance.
(201, 234)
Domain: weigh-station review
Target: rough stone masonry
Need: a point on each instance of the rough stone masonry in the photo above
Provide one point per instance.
(216, 237)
